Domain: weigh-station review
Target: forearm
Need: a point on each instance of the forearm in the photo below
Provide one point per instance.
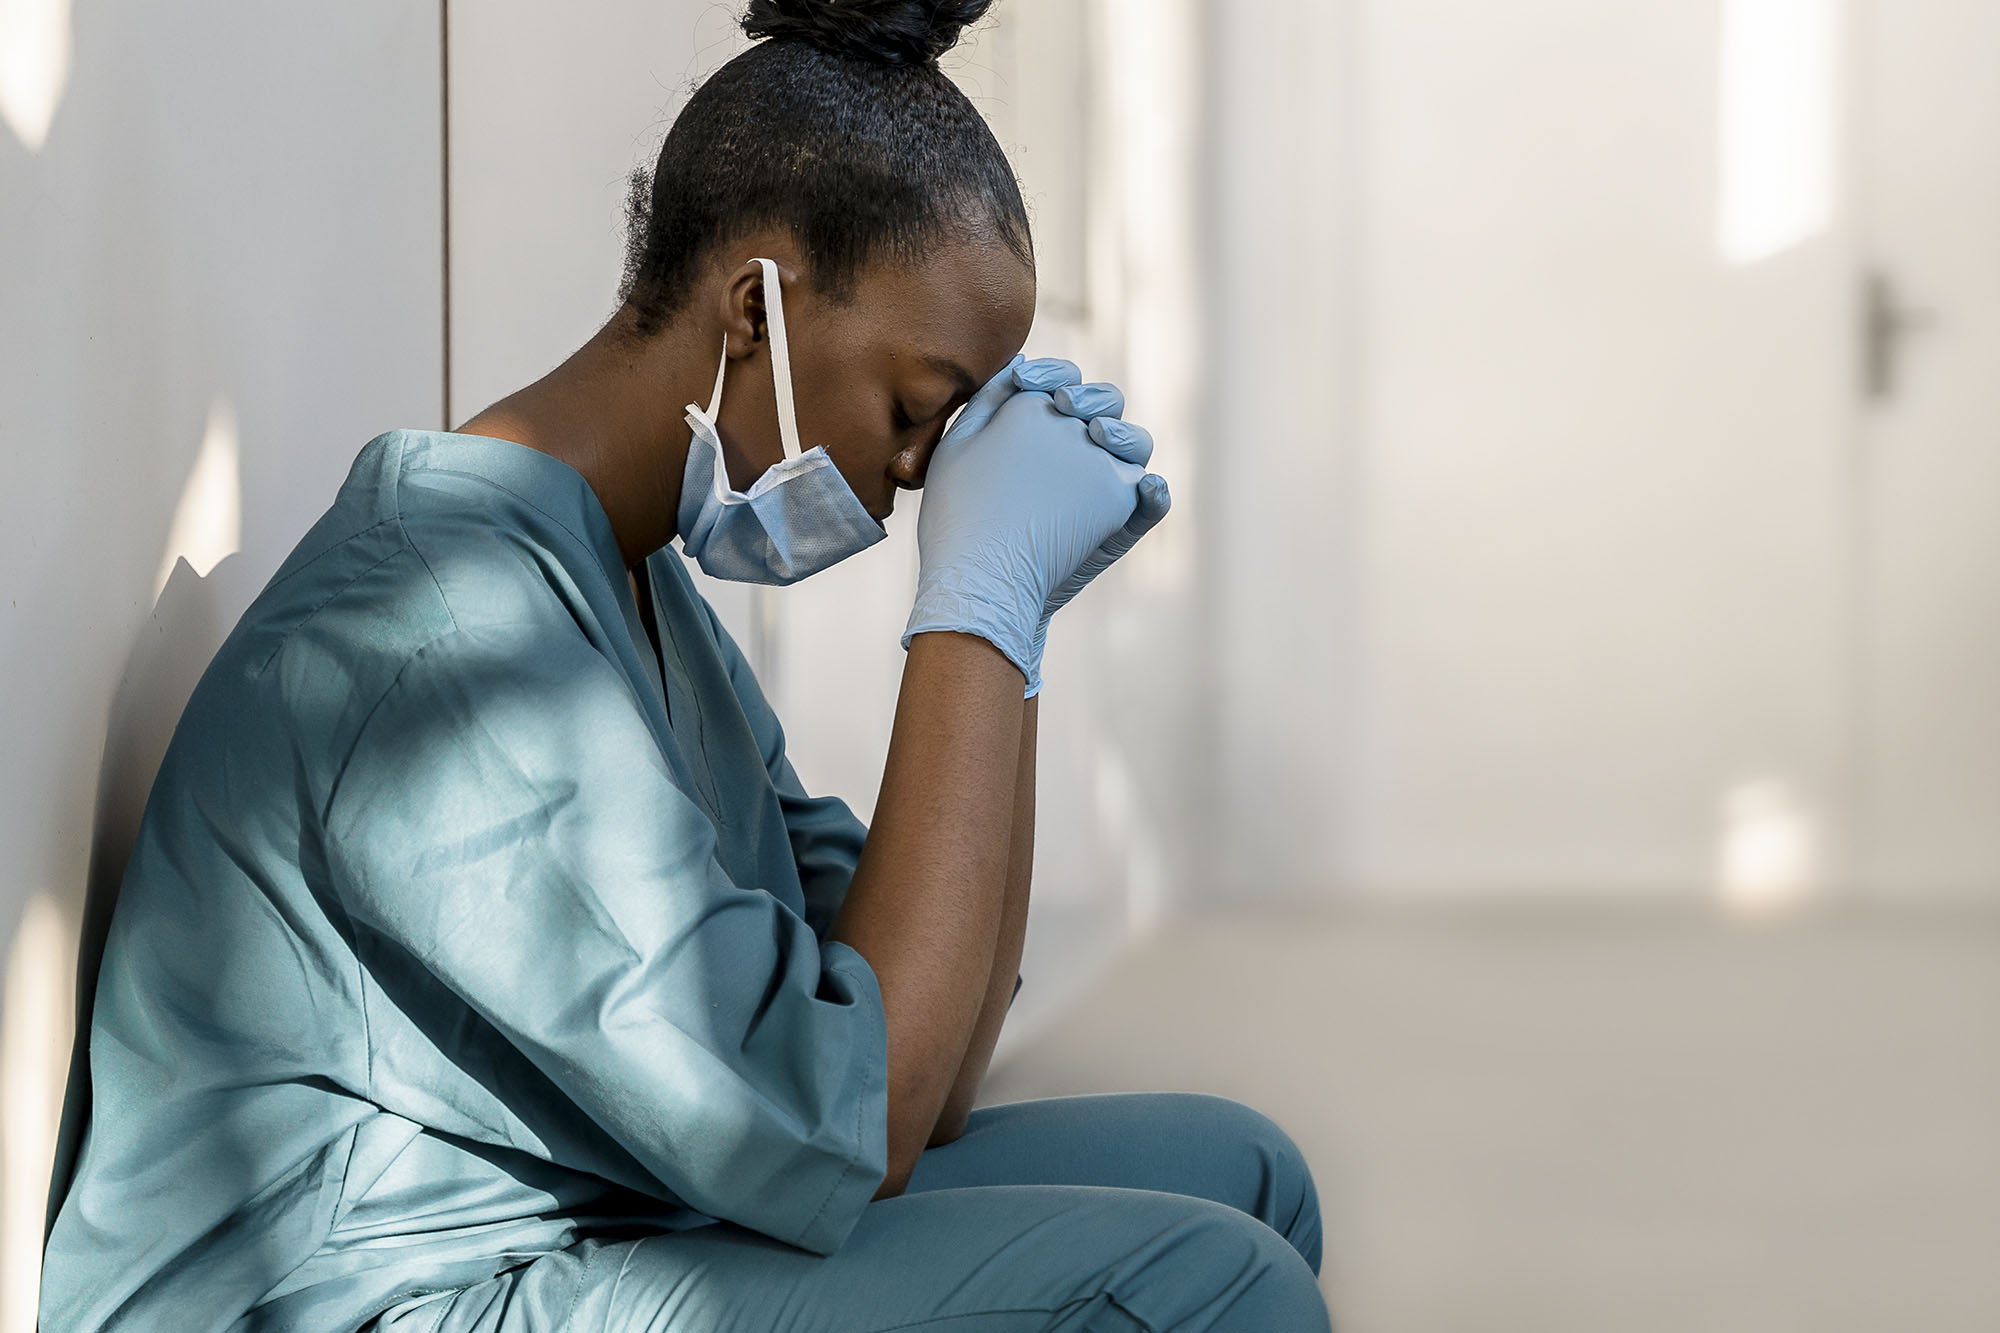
(925, 904)
(1007, 949)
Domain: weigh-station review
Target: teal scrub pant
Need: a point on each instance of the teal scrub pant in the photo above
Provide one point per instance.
(1117, 1211)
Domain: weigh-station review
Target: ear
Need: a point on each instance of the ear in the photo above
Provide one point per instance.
(742, 309)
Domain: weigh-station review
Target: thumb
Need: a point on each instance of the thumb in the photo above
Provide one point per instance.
(1046, 373)
(979, 408)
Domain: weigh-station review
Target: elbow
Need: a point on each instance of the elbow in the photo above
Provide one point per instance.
(892, 1184)
(903, 1164)
(904, 1148)
(906, 1144)
(948, 1128)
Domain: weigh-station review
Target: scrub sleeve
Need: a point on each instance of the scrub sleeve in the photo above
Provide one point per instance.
(507, 818)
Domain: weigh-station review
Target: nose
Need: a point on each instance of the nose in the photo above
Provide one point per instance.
(908, 467)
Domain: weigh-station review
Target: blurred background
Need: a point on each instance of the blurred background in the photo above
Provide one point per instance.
(1550, 759)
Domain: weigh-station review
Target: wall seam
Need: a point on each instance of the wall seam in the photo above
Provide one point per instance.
(444, 213)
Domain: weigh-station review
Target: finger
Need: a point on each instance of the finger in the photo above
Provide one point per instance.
(1020, 374)
(1047, 373)
(1095, 399)
(1150, 507)
(1121, 439)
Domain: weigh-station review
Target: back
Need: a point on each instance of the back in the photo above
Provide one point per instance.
(399, 987)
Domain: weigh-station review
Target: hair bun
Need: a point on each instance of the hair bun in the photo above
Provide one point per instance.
(887, 32)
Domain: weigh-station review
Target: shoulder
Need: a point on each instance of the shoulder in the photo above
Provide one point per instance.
(368, 607)
(418, 541)
(453, 615)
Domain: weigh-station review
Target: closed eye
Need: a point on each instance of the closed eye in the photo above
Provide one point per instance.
(908, 420)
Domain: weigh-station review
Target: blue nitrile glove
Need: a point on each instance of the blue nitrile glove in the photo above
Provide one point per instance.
(1102, 405)
(1017, 498)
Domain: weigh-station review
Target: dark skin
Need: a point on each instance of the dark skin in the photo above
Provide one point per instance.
(939, 901)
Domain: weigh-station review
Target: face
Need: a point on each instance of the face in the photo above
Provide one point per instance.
(877, 379)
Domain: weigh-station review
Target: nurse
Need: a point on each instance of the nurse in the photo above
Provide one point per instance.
(483, 964)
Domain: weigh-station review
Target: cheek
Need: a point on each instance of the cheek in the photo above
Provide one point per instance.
(856, 431)
(861, 454)
(843, 406)
(846, 432)
(830, 410)
(864, 460)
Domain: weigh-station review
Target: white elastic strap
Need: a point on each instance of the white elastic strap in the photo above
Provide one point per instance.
(781, 359)
(715, 399)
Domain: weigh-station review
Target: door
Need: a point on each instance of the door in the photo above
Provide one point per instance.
(1927, 178)
(1603, 416)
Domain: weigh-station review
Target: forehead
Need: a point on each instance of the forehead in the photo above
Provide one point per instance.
(968, 301)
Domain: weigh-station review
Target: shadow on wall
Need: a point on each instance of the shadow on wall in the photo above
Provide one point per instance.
(168, 655)
(181, 219)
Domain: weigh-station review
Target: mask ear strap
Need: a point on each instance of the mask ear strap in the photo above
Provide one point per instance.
(781, 359)
(715, 399)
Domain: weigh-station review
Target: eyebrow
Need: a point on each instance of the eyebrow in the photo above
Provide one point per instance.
(966, 384)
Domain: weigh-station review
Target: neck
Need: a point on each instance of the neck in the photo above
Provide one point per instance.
(613, 412)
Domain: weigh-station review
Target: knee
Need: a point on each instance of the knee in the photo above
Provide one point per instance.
(1286, 1197)
(1232, 1272)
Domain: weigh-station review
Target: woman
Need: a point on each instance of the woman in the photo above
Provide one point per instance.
(482, 963)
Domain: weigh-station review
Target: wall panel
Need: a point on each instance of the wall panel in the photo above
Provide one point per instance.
(221, 279)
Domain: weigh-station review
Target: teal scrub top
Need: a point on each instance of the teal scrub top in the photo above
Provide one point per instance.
(463, 924)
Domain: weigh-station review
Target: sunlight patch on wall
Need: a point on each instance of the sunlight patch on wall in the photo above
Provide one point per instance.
(1145, 278)
(1129, 836)
(36, 1029)
(1775, 159)
(1769, 852)
(34, 66)
(208, 522)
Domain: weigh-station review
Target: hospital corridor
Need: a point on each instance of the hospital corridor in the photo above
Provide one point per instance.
(1429, 569)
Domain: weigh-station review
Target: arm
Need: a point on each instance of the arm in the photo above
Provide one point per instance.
(1019, 500)
(1007, 957)
(827, 840)
(925, 905)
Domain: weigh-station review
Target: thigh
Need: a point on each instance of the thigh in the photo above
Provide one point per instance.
(991, 1259)
(1181, 1142)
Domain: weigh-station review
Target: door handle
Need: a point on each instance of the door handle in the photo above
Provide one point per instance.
(1885, 323)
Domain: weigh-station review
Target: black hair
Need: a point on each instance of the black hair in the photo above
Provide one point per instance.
(839, 126)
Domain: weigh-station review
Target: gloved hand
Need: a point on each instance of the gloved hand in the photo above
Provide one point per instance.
(1101, 404)
(1025, 503)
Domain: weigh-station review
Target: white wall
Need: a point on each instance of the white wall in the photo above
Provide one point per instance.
(1281, 515)
(221, 279)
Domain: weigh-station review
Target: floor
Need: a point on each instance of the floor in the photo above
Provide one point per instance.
(1554, 1119)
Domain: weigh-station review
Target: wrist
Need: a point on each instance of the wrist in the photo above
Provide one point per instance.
(945, 604)
(1033, 671)
(963, 654)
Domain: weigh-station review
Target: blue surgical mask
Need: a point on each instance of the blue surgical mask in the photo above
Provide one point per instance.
(796, 519)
